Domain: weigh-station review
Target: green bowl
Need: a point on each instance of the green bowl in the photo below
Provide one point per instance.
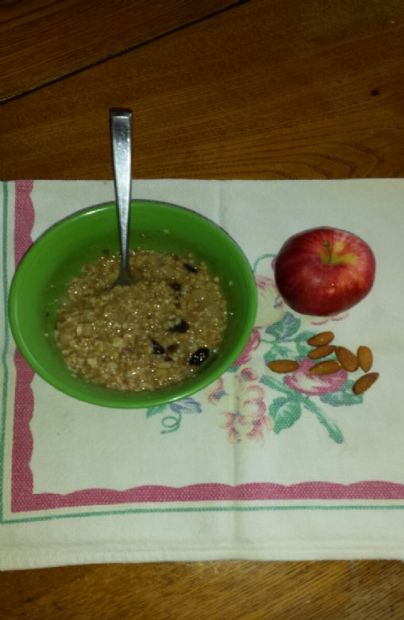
(59, 254)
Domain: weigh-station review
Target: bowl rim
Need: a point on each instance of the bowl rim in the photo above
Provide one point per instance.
(135, 400)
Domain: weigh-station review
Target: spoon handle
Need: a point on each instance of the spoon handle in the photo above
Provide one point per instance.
(121, 140)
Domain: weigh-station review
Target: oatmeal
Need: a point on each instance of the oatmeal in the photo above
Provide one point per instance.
(151, 334)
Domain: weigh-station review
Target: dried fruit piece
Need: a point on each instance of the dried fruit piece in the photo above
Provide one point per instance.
(190, 268)
(347, 359)
(176, 286)
(181, 326)
(283, 365)
(321, 338)
(158, 349)
(365, 358)
(172, 348)
(363, 383)
(199, 356)
(320, 352)
(325, 368)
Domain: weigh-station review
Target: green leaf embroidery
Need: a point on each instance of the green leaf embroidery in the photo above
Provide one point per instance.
(333, 431)
(171, 423)
(342, 397)
(302, 347)
(275, 352)
(270, 355)
(284, 328)
(275, 384)
(284, 412)
(261, 258)
(154, 410)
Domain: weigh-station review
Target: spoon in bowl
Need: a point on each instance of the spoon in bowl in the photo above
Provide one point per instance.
(121, 142)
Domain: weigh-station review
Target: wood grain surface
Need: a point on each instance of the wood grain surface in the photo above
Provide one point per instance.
(270, 89)
(209, 590)
(42, 41)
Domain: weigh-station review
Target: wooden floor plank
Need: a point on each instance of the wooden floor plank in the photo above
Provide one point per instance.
(205, 590)
(44, 40)
(266, 90)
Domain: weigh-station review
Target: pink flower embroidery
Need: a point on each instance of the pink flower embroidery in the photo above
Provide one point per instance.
(249, 419)
(249, 374)
(252, 344)
(314, 385)
(326, 319)
(271, 306)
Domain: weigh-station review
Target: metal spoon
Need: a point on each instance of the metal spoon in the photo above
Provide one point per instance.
(121, 142)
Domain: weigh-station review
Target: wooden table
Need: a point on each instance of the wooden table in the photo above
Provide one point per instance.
(265, 89)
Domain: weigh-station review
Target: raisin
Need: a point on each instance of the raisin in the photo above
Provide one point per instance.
(190, 267)
(172, 348)
(158, 349)
(180, 327)
(199, 356)
(176, 286)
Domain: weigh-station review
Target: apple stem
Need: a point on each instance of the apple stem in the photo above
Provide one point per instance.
(328, 252)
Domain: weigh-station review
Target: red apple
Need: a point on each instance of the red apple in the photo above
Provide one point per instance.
(323, 271)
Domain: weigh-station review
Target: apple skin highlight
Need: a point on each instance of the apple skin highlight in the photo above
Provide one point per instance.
(324, 271)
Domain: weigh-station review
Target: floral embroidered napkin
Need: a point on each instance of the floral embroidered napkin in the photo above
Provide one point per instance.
(258, 465)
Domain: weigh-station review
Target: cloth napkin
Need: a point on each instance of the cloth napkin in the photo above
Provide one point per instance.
(258, 465)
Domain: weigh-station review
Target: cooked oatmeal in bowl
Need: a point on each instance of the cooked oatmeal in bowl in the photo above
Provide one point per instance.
(145, 336)
(192, 314)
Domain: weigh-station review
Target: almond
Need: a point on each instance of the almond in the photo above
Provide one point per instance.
(325, 368)
(347, 359)
(321, 338)
(283, 365)
(365, 358)
(319, 352)
(363, 383)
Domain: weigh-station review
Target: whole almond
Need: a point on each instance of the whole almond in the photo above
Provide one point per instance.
(320, 352)
(283, 365)
(325, 368)
(364, 382)
(365, 358)
(347, 359)
(322, 338)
